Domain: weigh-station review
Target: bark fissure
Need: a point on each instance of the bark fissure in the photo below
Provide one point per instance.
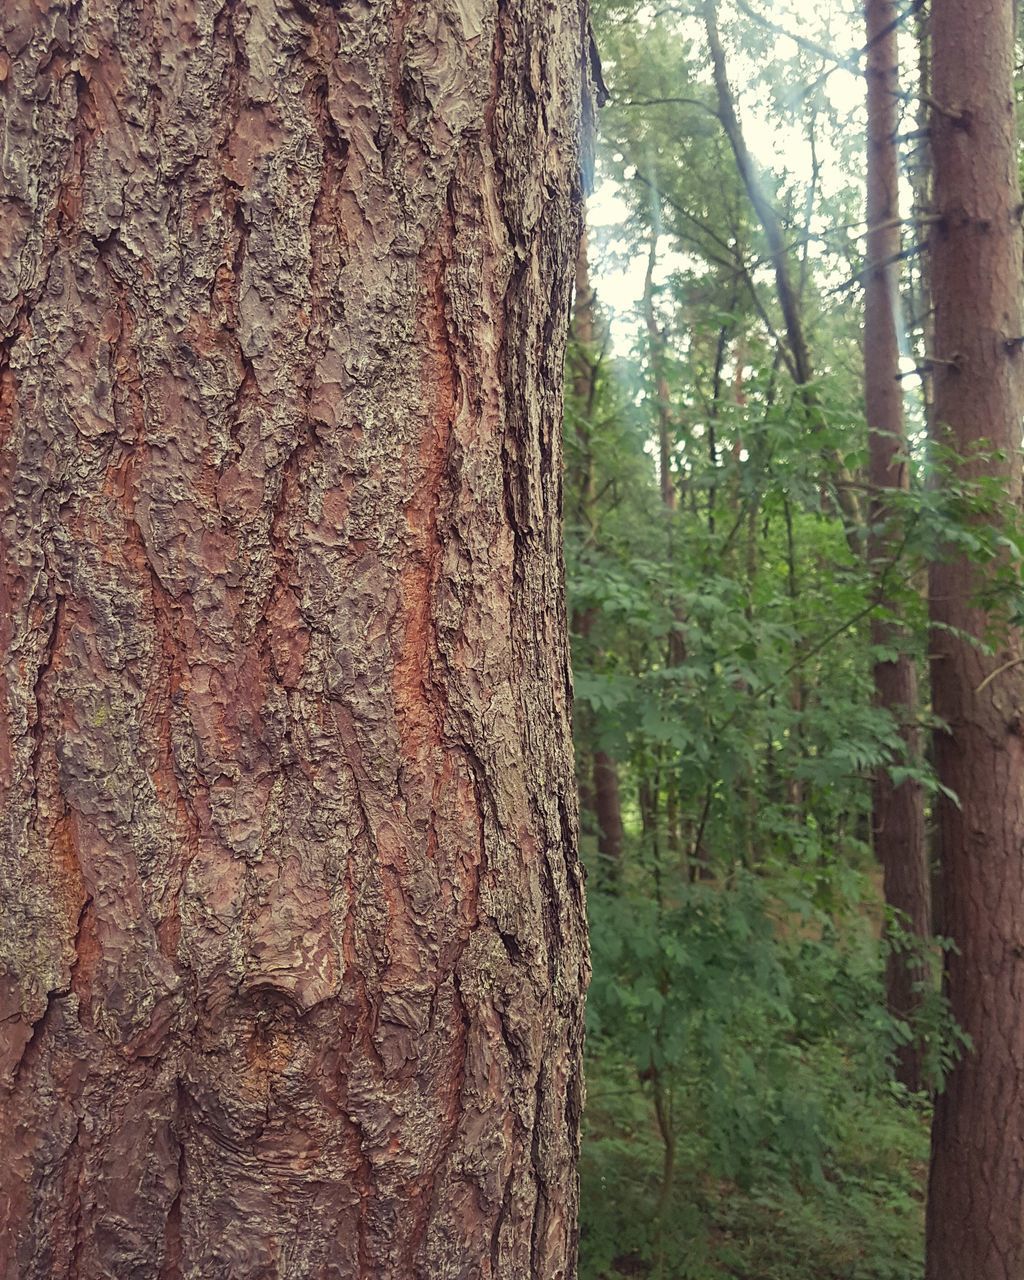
(283, 326)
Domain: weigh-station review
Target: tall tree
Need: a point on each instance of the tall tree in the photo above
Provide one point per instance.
(292, 935)
(897, 810)
(976, 1194)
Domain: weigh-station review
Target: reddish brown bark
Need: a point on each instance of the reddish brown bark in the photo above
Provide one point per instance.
(292, 940)
(976, 1194)
(897, 811)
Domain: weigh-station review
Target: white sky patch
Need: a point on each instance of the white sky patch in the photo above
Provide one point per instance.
(775, 144)
(908, 367)
(622, 271)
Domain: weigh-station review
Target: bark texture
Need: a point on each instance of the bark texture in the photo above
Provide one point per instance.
(292, 937)
(976, 1196)
(897, 811)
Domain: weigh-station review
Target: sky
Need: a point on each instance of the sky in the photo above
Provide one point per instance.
(775, 144)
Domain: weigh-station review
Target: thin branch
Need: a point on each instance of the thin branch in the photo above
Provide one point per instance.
(1014, 662)
(848, 61)
(665, 102)
(734, 265)
(911, 12)
(912, 252)
(908, 95)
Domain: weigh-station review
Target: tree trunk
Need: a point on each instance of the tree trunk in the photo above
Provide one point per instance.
(797, 353)
(976, 1195)
(293, 927)
(585, 359)
(921, 225)
(608, 807)
(662, 398)
(897, 811)
(602, 788)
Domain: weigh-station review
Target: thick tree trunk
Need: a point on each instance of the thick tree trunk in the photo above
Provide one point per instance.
(976, 1199)
(293, 923)
(897, 811)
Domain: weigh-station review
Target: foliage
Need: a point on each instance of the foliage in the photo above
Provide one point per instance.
(744, 1120)
(861, 1221)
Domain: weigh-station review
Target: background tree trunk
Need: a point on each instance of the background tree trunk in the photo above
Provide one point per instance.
(663, 399)
(293, 927)
(897, 811)
(976, 1195)
(601, 789)
(797, 353)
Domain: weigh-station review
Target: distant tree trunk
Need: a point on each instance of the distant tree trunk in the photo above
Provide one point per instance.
(584, 381)
(608, 807)
(647, 798)
(292, 933)
(675, 649)
(656, 346)
(602, 790)
(897, 811)
(976, 1194)
(921, 185)
(797, 354)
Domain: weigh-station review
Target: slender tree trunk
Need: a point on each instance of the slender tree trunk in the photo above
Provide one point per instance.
(293, 934)
(608, 807)
(714, 408)
(647, 797)
(584, 381)
(662, 398)
(976, 1193)
(657, 345)
(921, 184)
(675, 649)
(799, 356)
(603, 790)
(897, 811)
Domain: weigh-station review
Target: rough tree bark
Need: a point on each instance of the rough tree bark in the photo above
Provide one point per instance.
(897, 811)
(976, 1195)
(292, 942)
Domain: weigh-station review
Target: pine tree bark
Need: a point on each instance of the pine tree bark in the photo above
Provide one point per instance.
(897, 811)
(976, 1196)
(292, 946)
